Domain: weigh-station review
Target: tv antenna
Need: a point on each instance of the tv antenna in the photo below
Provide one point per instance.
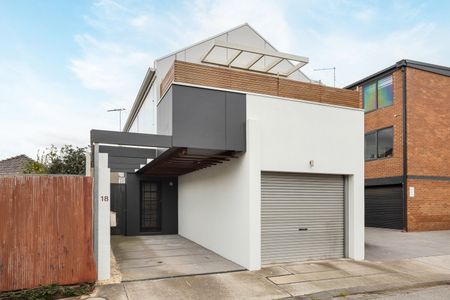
(329, 69)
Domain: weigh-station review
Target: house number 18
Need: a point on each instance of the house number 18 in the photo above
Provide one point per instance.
(104, 198)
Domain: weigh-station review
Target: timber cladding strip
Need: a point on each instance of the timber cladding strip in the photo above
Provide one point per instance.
(252, 82)
(46, 231)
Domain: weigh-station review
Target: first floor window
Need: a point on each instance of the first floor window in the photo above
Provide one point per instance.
(370, 97)
(385, 141)
(370, 144)
(379, 144)
(378, 94)
(385, 92)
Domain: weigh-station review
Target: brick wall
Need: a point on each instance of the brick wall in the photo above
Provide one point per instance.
(428, 123)
(428, 149)
(430, 207)
(385, 117)
(428, 105)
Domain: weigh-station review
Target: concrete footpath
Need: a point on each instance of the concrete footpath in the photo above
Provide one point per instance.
(310, 280)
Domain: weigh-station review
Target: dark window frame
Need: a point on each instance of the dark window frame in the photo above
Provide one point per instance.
(376, 80)
(376, 143)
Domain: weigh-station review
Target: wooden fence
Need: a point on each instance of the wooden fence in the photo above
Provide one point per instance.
(45, 231)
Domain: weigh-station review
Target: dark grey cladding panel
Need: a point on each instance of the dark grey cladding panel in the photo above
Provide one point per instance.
(126, 160)
(121, 169)
(128, 151)
(198, 118)
(208, 119)
(164, 111)
(124, 167)
(130, 138)
(236, 115)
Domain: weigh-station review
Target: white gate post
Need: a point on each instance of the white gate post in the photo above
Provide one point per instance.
(88, 171)
(102, 207)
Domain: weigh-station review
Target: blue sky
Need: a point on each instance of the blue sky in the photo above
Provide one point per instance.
(64, 63)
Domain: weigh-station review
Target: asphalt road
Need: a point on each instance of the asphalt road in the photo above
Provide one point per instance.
(390, 245)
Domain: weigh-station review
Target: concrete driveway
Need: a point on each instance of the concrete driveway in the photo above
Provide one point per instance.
(162, 256)
(389, 244)
(319, 280)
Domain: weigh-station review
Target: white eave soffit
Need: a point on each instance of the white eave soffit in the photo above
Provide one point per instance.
(253, 59)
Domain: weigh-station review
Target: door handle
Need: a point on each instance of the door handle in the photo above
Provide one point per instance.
(302, 229)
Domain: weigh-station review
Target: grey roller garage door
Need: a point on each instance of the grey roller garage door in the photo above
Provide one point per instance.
(384, 207)
(302, 217)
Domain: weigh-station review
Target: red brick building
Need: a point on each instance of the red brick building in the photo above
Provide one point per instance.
(407, 146)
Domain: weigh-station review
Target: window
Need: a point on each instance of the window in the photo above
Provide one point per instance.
(378, 94)
(379, 144)
(385, 141)
(370, 97)
(370, 144)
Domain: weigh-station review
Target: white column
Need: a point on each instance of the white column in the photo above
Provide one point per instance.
(88, 171)
(355, 217)
(102, 209)
(253, 153)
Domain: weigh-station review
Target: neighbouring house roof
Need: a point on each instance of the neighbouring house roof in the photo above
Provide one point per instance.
(441, 70)
(14, 165)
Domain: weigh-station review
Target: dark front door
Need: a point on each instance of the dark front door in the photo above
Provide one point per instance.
(150, 207)
(384, 207)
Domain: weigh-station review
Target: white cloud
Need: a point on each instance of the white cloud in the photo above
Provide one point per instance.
(356, 58)
(37, 112)
(123, 40)
(117, 54)
(365, 15)
(268, 17)
(109, 67)
(328, 43)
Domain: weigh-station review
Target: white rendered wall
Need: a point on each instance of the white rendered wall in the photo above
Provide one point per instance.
(293, 133)
(219, 207)
(213, 209)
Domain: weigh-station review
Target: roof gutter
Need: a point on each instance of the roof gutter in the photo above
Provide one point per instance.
(142, 94)
(441, 70)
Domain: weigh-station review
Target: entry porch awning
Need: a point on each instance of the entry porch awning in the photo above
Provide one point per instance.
(154, 155)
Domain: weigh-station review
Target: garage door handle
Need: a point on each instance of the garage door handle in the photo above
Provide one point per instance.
(302, 229)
